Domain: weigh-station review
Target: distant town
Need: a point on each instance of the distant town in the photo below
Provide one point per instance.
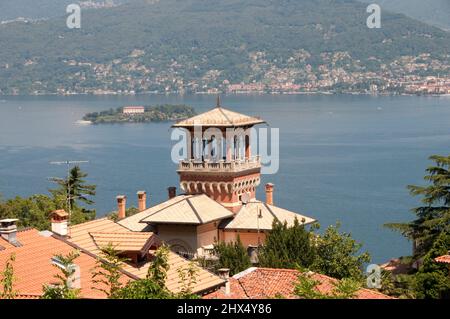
(337, 73)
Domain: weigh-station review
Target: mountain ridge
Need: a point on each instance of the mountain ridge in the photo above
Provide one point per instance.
(193, 40)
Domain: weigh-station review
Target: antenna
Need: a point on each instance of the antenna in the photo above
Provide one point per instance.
(69, 197)
(257, 223)
(218, 101)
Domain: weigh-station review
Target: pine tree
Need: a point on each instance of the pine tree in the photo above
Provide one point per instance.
(75, 187)
(287, 247)
(434, 216)
(432, 280)
(232, 255)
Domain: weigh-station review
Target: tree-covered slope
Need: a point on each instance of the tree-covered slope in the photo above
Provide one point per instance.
(204, 35)
(434, 12)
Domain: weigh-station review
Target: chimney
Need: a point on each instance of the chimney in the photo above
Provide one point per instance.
(8, 231)
(142, 198)
(121, 206)
(224, 273)
(74, 280)
(269, 194)
(60, 219)
(172, 191)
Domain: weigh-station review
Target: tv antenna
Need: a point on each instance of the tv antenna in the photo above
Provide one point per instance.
(69, 197)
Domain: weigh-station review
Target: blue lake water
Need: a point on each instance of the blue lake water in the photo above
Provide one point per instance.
(343, 158)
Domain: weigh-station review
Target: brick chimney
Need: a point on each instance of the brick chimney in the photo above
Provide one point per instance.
(121, 206)
(269, 194)
(60, 220)
(8, 231)
(142, 199)
(224, 273)
(172, 191)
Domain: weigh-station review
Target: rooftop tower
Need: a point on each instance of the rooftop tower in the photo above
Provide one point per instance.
(219, 161)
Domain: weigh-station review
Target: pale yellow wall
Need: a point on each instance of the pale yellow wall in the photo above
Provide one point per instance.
(183, 233)
(247, 238)
(207, 234)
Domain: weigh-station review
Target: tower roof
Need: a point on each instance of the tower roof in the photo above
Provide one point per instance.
(220, 117)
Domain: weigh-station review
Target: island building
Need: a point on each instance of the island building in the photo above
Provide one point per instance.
(218, 182)
(133, 110)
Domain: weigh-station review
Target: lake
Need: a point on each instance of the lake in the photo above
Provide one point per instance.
(343, 158)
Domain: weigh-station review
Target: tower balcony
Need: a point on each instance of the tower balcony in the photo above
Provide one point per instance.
(222, 166)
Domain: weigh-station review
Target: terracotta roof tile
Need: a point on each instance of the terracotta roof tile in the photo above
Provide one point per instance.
(124, 241)
(80, 236)
(263, 283)
(33, 267)
(443, 259)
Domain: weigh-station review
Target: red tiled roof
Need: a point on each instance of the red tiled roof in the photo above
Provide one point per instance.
(33, 267)
(443, 259)
(264, 283)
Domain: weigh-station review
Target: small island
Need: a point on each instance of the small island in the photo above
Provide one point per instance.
(141, 114)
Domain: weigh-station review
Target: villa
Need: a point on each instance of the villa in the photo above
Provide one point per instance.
(218, 179)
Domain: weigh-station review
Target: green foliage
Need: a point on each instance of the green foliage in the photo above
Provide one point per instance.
(233, 256)
(129, 211)
(107, 274)
(159, 266)
(287, 247)
(34, 211)
(7, 279)
(430, 232)
(74, 188)
(198, 35)
(188, 278)
(154, 285)
(143, 289)
(62, 289)
(432, 280)
(336, 255)
(307, 288)
(399, 286)
(433, 217)
(157, 113)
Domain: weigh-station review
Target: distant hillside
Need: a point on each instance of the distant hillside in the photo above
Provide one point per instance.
(434, 12)
(156, 45)
(41, 9)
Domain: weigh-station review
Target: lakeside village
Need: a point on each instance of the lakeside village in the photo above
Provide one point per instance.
(336, 73)
(212, 239)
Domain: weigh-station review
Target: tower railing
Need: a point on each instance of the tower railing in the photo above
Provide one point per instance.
(211, 165)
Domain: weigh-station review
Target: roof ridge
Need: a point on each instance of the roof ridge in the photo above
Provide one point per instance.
(159, 210)
(195, 210)
(223, 113)
(270, 210)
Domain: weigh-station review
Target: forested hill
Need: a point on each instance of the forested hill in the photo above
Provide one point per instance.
(198, 40)
(434, 12)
